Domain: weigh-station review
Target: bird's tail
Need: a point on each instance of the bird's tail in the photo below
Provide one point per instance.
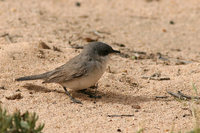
(33, 77)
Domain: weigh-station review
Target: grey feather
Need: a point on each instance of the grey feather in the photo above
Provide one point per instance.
(33, 77)
(74, 68)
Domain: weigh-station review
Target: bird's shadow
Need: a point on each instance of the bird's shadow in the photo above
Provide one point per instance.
(37, 88)
(107, 97)
(111, 97)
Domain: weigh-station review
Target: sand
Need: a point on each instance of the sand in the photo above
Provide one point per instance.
(156, 37)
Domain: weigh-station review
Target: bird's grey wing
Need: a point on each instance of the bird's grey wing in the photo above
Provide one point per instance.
(74, 68)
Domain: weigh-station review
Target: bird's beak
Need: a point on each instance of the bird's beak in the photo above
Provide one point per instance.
(116, 51)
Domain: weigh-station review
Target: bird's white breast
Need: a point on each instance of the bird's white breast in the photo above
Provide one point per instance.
(96, 70)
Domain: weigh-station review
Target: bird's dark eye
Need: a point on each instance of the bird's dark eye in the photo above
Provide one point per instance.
(106, 52)
(103, 52)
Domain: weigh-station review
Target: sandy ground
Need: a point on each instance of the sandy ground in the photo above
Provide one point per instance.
(159, 37)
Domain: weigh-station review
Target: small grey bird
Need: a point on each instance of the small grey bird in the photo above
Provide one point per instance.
(80, 72)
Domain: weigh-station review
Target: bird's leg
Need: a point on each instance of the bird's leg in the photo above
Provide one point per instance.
(73, 99)
(95, 91)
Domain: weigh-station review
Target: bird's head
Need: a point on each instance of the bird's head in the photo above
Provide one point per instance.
(100, 49)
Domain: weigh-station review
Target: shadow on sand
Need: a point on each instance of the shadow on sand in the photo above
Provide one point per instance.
(108, 97)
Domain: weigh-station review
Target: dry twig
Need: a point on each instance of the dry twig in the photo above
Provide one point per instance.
(120, 115)
(7, 37)
(15, 96)
(162, 97)
(155, 76)
(187, 97)
(182, 96)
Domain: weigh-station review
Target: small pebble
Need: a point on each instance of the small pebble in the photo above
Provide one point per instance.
(18, 90)
(121, 45)
(119, 130)
(2, 88)
(164, 30)
(186, 115)
(136, 106)
(78, 4)
(43, 45)
(171, 22)
(107, 85)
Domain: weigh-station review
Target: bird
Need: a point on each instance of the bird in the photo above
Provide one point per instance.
(80, 72)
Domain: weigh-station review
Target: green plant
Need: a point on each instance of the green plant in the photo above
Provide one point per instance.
(140, 130)
(196, 114)
(195, 131)
(19, 123)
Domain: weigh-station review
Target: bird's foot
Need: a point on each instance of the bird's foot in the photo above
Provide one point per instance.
(73, 99)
